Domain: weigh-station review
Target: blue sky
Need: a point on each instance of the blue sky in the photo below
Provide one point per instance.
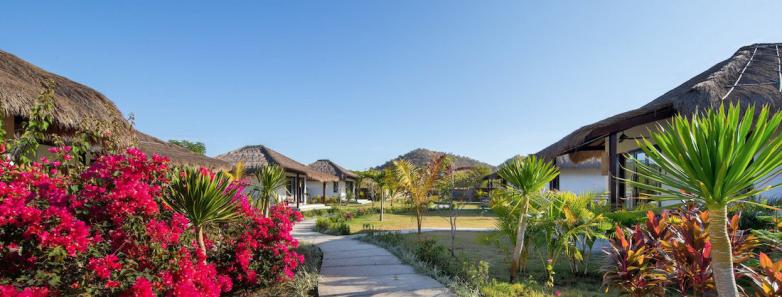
(361, 82)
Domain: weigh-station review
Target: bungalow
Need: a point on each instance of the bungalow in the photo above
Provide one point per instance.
(255, 157)
(74, 104)
(752, 75)
(76, 108)
(338, 189)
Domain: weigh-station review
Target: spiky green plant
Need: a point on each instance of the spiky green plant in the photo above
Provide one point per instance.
(271, 179)
(202, 198)
(714, 159)
(526, 178)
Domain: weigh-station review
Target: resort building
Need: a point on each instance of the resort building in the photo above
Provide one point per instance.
(77, 108)
(336, 189)
(752, 75)
(255, 157)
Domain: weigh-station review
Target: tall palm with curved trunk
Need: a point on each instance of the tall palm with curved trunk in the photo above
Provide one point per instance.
(419, 182)
(204, 198)
(271, 179)
(526, 178)
(714, 159)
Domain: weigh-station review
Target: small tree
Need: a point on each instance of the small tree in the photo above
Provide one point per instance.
(193, 146)
(419, 182)
(204, 198)
(714, 159)
(271, 179)
(526, 178)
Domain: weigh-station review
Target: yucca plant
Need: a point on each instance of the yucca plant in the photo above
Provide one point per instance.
(526, 178)
(204, 198)
(714, 158)
(271, 179)
(419, 182)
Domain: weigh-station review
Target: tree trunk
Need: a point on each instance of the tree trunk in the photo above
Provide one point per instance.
(266, 206)
(418, 217)
(381, 206)
(721, 253)
(200, 235)
(522, 228)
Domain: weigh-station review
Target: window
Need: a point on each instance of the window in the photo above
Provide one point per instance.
(632, 192)
(291, 185)
(336, 187)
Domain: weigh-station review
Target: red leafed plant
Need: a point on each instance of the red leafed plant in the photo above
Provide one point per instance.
(767, 279)
(631, 268)
(676, 246)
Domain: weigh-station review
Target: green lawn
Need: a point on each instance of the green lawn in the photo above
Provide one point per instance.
(476, 246)
(468, 218)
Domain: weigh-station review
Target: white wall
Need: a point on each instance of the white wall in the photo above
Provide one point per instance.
(315, 189)
(582, 181)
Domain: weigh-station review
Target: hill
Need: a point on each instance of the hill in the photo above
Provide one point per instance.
(421, 157)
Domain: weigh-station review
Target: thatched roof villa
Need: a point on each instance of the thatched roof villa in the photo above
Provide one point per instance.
(74, 103)
(77, 108)
(256, 156)
(751, 75)
(346, 183)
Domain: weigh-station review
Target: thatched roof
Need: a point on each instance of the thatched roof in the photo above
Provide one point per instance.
(329, 167)
(22, 82)
(751, 75)
(257, 156)
(177, 154)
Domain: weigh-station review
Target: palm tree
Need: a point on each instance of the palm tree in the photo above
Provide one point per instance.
(237, 173)
(714, 159)
(203, 198)
(378, 179)
(526, 178)
(390, 186)
(271, 179)
(418, 182)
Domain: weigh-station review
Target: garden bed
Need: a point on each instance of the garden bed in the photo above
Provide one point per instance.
(481, 265)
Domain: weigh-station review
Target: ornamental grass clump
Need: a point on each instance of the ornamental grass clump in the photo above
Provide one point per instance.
(714, 158)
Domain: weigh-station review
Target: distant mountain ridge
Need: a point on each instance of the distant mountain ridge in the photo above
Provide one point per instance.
(421, 157)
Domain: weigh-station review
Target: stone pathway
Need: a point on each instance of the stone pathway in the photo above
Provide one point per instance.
(354, 268)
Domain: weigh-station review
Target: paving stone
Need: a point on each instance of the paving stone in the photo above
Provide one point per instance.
(354, 268)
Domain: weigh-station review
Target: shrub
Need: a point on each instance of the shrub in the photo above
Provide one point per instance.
(503, 289)
(671, 251)
(332, 225)
(627, 218)
(102, 230)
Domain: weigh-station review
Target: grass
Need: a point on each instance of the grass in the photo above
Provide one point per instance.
(473, 247)
(476, 246)
(468, 218)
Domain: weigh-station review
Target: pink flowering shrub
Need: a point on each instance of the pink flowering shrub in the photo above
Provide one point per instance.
(103, 230)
